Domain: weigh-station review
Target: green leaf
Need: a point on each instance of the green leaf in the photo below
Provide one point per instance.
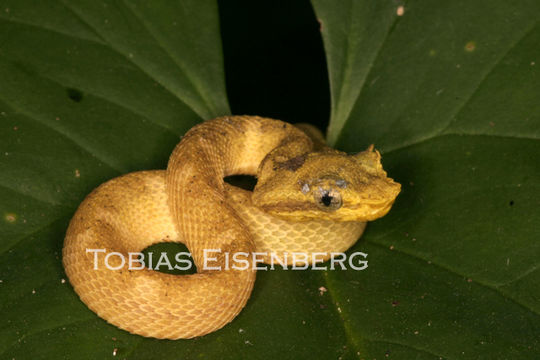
(89, 90)
(448, 91)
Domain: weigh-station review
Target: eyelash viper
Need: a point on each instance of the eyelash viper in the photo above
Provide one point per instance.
(308, 198)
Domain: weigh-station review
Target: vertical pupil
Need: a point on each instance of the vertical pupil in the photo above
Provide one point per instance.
(326, 199)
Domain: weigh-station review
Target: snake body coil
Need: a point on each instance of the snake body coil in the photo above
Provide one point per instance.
(308, 199)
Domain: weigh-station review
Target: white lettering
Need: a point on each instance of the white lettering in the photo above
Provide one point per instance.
(364, 263)
(205, 265)
(178, 258)
(315, 260)
(95, 251)
(340, 261)
(300, 261)
(114, 254)
(139, 259)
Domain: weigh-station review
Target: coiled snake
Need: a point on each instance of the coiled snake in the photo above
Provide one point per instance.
(308, 198)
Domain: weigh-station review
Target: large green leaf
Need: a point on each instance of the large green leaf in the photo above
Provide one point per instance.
(448, 92)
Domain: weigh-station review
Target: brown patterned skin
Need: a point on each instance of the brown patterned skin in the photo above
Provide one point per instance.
(304, 201)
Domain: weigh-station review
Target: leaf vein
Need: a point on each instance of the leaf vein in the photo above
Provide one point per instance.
(453, 118)
(128, 59)
(77, 140)
(196, 85)
(454, 272)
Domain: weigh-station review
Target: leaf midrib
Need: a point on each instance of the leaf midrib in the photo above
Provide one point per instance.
(352, 338)
(444, 128)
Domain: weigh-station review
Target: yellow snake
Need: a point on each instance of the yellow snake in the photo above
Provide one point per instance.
(308, 198)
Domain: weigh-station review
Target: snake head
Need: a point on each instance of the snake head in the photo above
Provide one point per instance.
(329, 185)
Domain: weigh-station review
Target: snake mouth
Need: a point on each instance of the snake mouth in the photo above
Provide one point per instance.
(370, 212)
(302, 211)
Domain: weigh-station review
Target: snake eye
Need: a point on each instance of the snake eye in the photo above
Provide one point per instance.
(328, 200)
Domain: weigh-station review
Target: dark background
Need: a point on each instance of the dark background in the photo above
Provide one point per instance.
(274, 60)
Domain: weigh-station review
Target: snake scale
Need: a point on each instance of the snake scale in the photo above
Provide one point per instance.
(308, 198)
